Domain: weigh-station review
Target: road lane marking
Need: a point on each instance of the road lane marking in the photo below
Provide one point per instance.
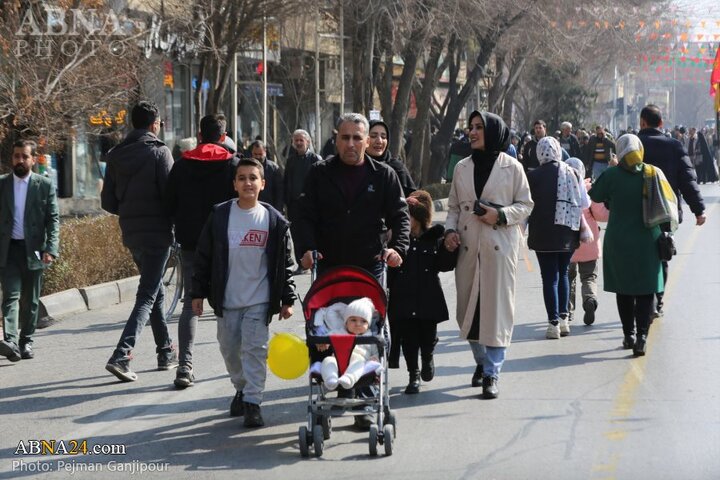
(627, 394)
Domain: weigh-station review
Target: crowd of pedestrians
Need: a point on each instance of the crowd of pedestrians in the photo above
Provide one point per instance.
(246, 226)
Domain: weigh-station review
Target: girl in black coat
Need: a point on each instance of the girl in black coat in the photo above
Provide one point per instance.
(417, 303)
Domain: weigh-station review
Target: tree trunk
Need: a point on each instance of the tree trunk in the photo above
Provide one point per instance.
(402, 100)
(424, 101)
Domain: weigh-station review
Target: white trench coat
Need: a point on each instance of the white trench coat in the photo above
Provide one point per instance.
(487, 262)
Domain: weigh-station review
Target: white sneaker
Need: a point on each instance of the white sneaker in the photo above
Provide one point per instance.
(553, 332)
(564, 326)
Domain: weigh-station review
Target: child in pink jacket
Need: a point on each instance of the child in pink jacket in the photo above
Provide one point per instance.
(584, 260)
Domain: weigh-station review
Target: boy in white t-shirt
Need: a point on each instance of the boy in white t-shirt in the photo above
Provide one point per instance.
(243, 266)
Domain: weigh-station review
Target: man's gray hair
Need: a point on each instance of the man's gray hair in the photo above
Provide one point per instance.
(304, 133)
(566, 125)
(355, 118)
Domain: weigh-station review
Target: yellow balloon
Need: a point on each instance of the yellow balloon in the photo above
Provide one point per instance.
(287, 356)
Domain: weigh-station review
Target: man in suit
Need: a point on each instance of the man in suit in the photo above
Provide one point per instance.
(29, 237)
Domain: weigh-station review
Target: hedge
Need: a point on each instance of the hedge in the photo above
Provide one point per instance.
(91, 252)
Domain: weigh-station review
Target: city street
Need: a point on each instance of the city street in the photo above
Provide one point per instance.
(576, 408)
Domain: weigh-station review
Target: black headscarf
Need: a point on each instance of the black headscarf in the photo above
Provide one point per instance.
(497, 133)
(385, 157)
(497, 139)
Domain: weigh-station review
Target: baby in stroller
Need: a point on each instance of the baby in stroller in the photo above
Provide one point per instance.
(357, 317)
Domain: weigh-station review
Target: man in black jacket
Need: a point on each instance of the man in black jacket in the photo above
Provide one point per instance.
(199, 180)
(137, 172)
(669, 155)
(349, 200)
(529, 155)
(273, 191)
(298, 164)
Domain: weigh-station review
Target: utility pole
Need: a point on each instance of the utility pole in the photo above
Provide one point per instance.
(342, 59)
(318, 126)
(264, 82)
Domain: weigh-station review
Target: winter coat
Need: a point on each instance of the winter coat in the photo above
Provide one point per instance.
(415, 290)
(202, 178)
(597, 212)
(273, 192)
(210, 269)
(296, 170)
(589, 157)
(670, 156)
(487, 262)
(351, 233)
(631, 264)
(134, 189)
(529, 155)
(574, 150)
(543, 234)
(406, 181)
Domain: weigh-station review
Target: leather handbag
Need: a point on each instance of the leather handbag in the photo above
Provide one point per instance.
(666, 246)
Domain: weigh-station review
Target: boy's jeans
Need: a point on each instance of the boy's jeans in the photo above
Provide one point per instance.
(243, 337)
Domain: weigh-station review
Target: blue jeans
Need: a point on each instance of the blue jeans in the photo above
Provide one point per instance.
(491, 358)
(242, 334)
(149, 303)
(598, 168)
(556, 285)
(187, 323)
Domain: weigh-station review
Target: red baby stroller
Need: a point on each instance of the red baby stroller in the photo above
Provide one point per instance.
(345, 284)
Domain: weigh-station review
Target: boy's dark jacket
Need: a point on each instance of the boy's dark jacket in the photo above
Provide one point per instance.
(210, 273)
(415, 289)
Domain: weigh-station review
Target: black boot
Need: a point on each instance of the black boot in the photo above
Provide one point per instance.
(427, 372)
(629, 341)
(414, 383)
(640, 345)
(490, 389)
(477, 377)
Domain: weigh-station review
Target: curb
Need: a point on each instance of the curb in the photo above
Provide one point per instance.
(75, 300)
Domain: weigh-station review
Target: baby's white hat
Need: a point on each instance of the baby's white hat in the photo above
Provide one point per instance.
(362, 307)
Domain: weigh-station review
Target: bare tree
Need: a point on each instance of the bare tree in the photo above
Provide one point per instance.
(62, 67)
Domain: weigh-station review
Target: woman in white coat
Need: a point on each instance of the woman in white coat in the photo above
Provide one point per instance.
(489, 235)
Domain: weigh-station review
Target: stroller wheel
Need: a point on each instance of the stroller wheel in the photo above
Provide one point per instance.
(303, 438)
(318, 441)
(326, 424)
(373, 440)
(388, 436)
(390, 419)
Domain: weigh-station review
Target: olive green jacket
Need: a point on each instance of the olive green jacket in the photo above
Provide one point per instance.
(41, 222)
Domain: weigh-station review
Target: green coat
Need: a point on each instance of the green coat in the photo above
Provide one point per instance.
(41, 222)
(631, 265)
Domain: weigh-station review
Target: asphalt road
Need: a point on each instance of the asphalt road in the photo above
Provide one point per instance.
(575, 408)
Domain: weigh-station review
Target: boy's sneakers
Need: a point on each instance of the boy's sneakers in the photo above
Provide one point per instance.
(237, 406)
(564, 326)
(553, 332)
(253, 417)
(167, 361)
(184, 377)
(589, 305)
(121, 369)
